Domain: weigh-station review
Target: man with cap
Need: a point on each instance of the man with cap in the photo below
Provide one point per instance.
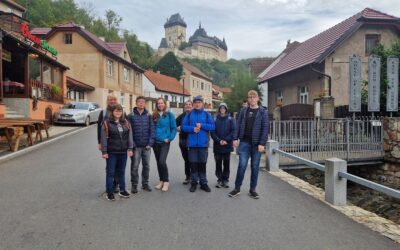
(223, 146)
(198, 124)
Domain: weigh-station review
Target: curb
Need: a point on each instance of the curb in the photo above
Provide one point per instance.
(40, 145)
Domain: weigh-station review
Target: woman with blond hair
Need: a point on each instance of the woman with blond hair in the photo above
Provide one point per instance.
(165, 131)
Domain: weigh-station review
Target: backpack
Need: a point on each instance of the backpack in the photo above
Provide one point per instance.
(105, 123)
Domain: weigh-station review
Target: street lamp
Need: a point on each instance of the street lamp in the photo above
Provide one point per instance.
(183, 90)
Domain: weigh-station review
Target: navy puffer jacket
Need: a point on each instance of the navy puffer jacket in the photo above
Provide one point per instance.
(142, 128)
(224, 130)
(260, 127)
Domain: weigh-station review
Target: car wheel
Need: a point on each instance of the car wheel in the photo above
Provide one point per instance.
(87, 121)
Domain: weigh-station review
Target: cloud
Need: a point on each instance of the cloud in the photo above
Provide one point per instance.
(251, 27)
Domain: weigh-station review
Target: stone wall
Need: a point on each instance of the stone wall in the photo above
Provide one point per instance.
(391, 136)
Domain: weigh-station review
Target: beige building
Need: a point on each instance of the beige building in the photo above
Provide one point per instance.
(199, 45)
(197, 83)
(297, 74)
(107, 67)
(10, 6)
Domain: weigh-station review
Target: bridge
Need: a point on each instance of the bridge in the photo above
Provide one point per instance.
(357, 141)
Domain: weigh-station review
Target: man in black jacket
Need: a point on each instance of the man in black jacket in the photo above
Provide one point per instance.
(182, 140)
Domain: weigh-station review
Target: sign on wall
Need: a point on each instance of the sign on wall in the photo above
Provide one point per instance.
(42, 44)
(392, 96)
(355, 84)
(374, 83)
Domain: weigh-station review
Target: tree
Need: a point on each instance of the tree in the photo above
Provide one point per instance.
(112, 22)
(242, 83)
(170, 66)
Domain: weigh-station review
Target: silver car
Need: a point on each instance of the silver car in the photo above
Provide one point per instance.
(78, 113)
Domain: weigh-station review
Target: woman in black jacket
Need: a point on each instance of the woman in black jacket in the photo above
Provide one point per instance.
(116, 141)
(223, 137)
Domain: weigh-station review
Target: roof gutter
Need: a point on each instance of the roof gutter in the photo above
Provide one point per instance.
(324, 75)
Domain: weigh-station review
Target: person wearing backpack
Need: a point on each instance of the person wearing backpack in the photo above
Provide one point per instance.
(104, 114)
(143, 139)
(183, 140)
(198, 124)
(165, 132)
(223, 137)
(116, 145)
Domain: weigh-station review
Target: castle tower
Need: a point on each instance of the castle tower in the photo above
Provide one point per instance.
(175, 31)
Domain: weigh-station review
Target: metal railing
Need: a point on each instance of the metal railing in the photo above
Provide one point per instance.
(335, 170)
(316, 140)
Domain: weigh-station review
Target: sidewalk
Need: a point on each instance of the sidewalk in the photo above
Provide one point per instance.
(54, 131)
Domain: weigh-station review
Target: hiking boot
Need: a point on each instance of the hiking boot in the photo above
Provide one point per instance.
(205, 187)
(219, 184)
(110, 197)
(234, 193)
(225, 184)
(193, 187)
(134, 189)
(146, 187)
(253, 194)
(186, 181)
(124, 194)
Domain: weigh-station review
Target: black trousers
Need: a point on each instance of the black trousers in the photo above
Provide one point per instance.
(161, 152)
(185, 155)
(222, 160)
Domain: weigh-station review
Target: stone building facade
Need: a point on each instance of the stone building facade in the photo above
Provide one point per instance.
(199, 45)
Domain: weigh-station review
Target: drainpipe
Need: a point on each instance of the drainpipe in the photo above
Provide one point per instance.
(325, 75)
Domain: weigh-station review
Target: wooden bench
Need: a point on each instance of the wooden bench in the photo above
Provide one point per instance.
(9, 132)
(38, 125)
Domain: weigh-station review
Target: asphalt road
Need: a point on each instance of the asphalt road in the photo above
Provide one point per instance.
(49, 199)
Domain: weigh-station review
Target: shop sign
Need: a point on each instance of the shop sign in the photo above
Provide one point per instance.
(42, 44)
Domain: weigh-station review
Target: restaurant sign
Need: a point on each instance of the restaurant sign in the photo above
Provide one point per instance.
(42, 44)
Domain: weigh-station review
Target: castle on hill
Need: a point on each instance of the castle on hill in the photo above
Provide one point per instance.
(199, 45)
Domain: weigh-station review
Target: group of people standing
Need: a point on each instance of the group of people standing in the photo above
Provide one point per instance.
(133, 135)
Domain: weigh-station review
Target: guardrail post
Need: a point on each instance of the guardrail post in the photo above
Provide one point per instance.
(335, 187)
(272, 163)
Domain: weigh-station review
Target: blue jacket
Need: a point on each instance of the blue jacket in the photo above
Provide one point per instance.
(224, 129)
(142, 128)
(260, 127)
(201, 139)
(166, 127)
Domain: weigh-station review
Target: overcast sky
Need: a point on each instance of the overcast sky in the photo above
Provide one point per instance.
(252, 28)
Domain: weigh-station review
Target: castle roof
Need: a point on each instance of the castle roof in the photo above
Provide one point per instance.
(175, 19)
(163, 44)
(200, 35)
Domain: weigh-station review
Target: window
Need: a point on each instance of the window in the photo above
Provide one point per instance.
(303, 98)
(202, 85)
(166, 97)
(371, 41)
(279, 96)
(81, 96)
(109, 67)
(125, 55)
(122, 99)
(126, 74)
(68, 38)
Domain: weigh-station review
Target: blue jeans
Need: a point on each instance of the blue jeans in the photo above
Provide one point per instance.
(245, 151)
(115, 161)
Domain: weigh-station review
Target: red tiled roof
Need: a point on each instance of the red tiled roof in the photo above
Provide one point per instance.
(317, 48)
(194, 70)
(96, 41)
(117, 47)
(257, 65)
(40, 31)
(15, 5)
(226, 90)
(165, 83)
(71, 82)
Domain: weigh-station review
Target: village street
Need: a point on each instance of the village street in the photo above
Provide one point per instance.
(51, 199)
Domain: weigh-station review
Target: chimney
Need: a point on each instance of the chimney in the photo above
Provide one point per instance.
(288, 43)
(102, 38)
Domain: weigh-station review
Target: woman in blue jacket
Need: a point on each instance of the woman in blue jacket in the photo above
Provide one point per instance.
(165, 130)
(223, 146)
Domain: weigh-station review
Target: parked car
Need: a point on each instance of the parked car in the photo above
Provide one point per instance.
(78, 113)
